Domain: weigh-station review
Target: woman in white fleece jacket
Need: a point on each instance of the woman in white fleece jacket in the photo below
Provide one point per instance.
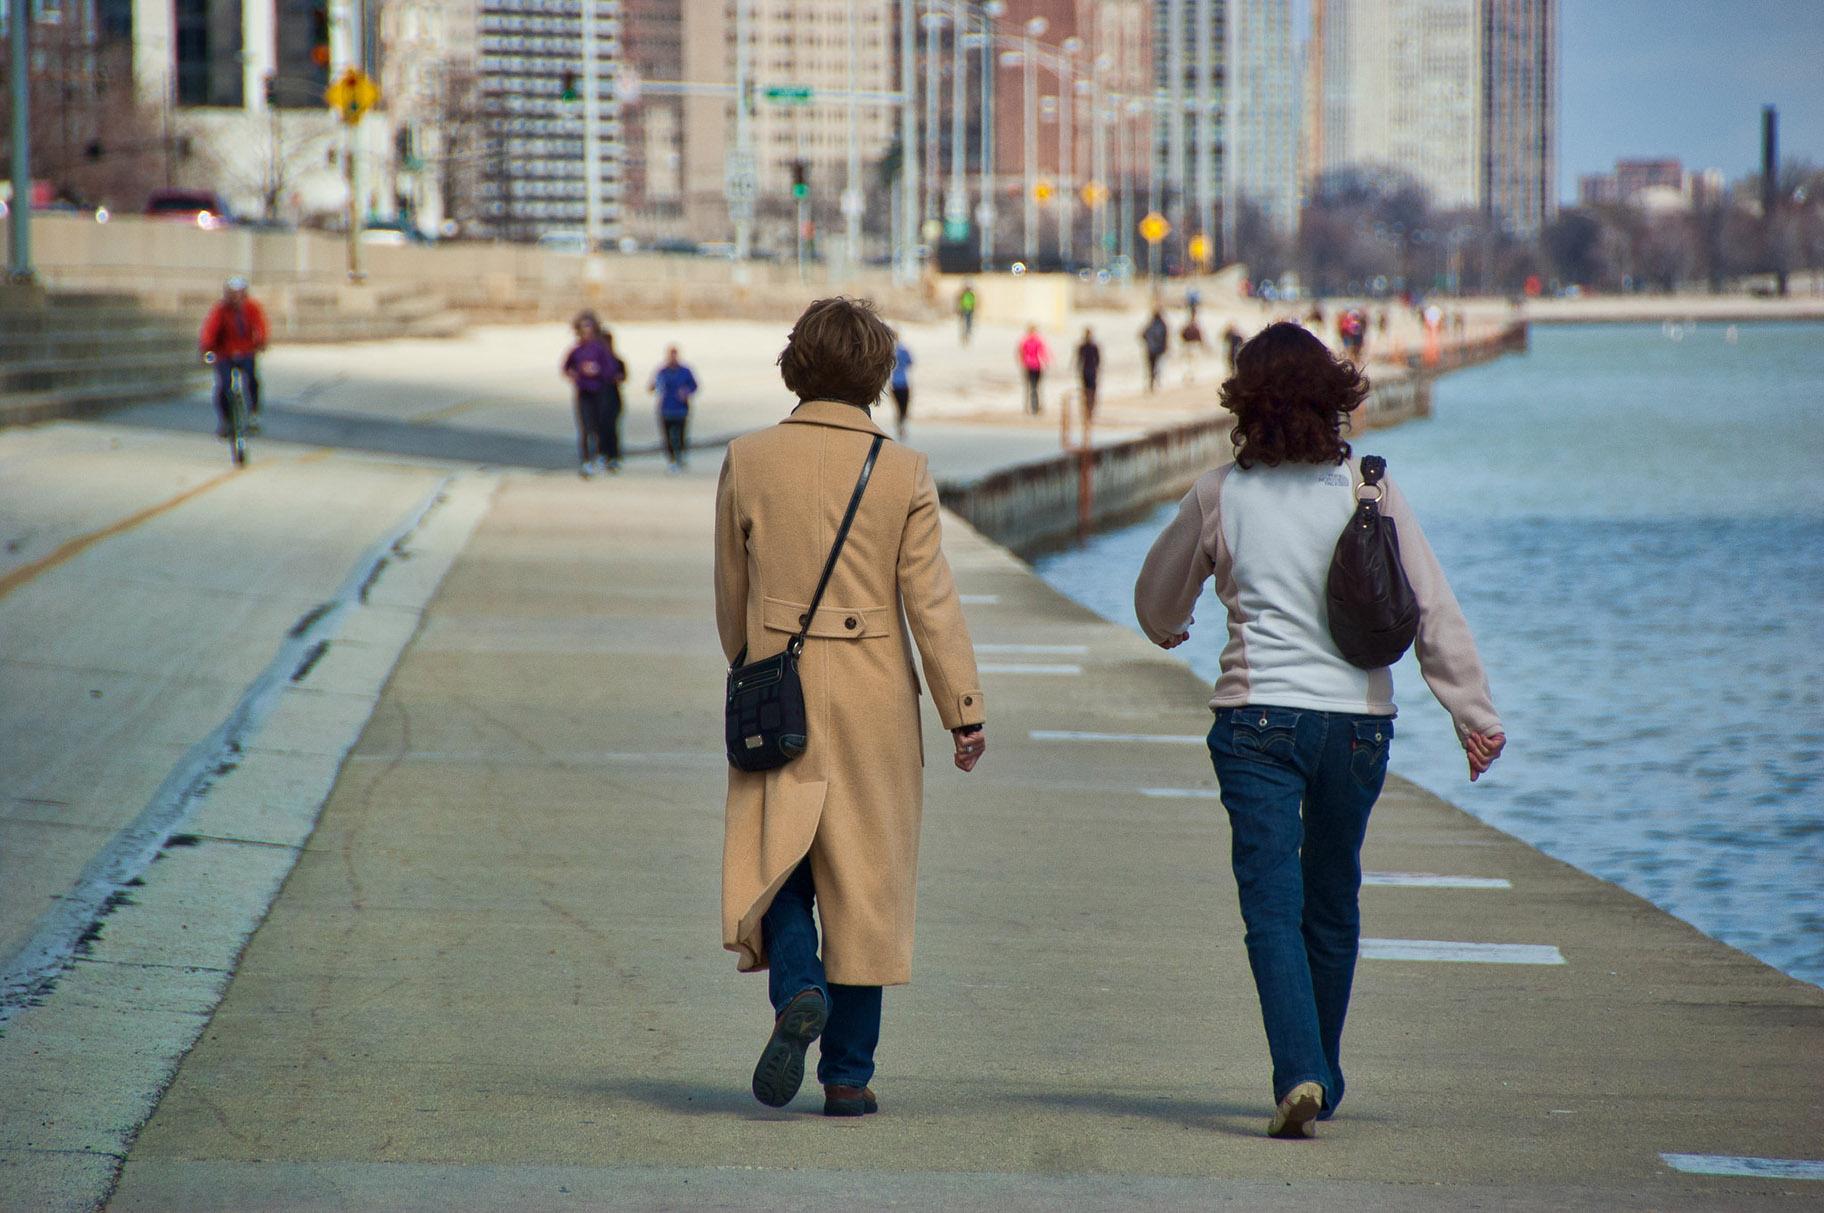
(1301, 736)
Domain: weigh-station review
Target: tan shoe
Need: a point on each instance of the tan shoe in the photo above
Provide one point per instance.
(1296, 1115)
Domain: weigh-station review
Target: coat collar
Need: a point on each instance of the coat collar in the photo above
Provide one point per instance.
(833, 413)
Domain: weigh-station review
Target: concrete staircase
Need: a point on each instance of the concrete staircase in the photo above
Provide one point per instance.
(317, 312)
(73, 353)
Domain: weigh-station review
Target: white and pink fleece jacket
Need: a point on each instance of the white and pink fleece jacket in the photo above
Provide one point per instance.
(1266, 535)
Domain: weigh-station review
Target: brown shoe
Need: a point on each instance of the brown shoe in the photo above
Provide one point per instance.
(849, 1101)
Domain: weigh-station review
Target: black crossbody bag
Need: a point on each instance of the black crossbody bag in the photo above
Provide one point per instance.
(764, 722)
(1374, 615)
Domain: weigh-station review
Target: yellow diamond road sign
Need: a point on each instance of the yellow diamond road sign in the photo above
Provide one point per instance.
(352, 94)
(1200, 248)
(1154, 228)
(1093, 193)
(1042, 190)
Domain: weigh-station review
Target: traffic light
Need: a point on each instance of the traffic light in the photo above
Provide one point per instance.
(319, 37)
(801, 179)
(569, 91)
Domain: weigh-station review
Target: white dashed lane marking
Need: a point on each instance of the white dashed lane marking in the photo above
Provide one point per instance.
(1450, 950)
(1749, 1168)
(1425, 880)
(1069, 735)
(1061, 650)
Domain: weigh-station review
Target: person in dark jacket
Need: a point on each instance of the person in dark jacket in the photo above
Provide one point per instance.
(1154, 337)
(1089, 370)
(597, 373)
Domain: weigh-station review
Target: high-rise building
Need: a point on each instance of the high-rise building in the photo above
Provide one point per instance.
(1261, 115)
(652, 43)
(803, 61)
(1459, 95)
(1519, 186)
(532, 79)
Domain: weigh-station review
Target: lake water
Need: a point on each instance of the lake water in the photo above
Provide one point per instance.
(1635, 527)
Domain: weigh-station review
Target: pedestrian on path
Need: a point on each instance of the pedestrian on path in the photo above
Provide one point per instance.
(675, 385)
(837, 826)
(965, 311)
(1035, 356)
(1089, 370)
(902, 386)
(595, 371)
(1301, 736)
(1153, 338)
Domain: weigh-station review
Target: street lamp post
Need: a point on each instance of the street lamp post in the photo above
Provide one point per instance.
(1206, 124)
(851, 194)
(19, 224)
(933, 21)
(956, 197)
(1029, 61)
(985, 216)
(908, 145)
(592, 134)
(1098, 156)
(1067, 151)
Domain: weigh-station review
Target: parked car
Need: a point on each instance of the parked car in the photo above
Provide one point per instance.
(567, 242)
(204, 208)
(392, 233)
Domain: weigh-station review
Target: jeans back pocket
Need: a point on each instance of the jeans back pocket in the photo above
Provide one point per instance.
(1262, 730)
(1368, 749)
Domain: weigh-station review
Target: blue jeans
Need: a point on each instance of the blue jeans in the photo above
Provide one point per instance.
(227, 366)
(853, 1030)
(1300, 873)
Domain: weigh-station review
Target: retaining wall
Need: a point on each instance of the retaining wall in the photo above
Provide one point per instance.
(1033, 505)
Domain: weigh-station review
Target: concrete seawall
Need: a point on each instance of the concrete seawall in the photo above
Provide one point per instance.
(1051, 500)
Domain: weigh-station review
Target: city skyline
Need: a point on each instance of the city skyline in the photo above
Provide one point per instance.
(1645, 79)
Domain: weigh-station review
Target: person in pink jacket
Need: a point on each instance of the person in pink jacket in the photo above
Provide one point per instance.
(1035, 356)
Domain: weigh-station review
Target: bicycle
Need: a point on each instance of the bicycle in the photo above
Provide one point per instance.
(238, 427)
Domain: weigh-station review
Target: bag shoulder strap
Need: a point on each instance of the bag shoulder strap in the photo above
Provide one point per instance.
(842, 534)
(1373, 468)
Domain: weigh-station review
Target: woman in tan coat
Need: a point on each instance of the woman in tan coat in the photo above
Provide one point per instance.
(839, 825)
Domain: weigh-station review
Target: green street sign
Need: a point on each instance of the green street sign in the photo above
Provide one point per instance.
(788, 94)
(956, 230)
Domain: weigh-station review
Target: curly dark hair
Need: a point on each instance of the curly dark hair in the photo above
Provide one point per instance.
(1290, 396)
(840, 349)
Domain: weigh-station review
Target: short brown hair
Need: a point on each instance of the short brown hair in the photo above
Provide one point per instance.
(1290, 396)
(840, 349)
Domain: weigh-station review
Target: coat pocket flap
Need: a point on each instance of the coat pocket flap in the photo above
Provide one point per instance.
(832, 622)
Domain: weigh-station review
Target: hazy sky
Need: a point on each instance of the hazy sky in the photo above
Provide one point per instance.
(1687, 78)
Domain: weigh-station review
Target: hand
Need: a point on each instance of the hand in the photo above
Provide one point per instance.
(1483, 749)
(1172, 642)
(971, 744)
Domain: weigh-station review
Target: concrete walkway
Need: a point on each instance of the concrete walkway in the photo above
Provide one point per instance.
(493, 979)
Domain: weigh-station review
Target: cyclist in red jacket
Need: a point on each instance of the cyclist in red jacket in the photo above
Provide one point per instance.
(232, 335)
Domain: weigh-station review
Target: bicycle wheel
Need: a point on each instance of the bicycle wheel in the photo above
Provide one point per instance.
(237, 418)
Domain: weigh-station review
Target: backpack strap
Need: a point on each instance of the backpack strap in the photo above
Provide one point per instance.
(796, 644)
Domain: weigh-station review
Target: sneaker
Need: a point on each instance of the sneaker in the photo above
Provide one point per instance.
(614, 465)
(780, 1071)
(1296, 1115)
(587, 470)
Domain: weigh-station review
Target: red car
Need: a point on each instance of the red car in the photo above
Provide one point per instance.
(204, 208)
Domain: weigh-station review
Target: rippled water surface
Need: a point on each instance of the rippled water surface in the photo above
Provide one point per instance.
(1635, 527)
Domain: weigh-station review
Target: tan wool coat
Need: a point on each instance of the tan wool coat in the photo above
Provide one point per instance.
(853, 801)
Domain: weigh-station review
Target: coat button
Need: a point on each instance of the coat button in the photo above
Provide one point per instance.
(850, 623)
(803, 619)
(968, 701)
